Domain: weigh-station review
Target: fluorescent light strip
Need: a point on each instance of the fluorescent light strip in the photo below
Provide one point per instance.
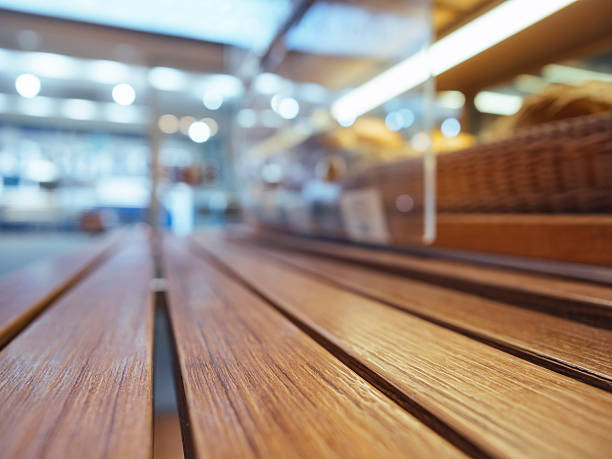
(482, 33)
(497, 103)
(573, 75)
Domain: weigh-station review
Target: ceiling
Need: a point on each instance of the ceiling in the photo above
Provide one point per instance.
(204, 33)
(337, 43)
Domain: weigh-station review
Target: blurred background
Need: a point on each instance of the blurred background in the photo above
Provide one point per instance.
(189, 114)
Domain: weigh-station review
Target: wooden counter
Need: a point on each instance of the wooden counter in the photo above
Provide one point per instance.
(307, 349)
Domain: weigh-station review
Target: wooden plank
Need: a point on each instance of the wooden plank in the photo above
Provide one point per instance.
(572, 348)
(582, 301)
(78, 381)
(257, 386)
(26, 292)
(503, 404)
(571, 238)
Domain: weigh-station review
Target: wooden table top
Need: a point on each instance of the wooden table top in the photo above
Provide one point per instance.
(309, 351)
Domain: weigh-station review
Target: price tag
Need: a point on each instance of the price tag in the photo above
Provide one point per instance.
(363, 216)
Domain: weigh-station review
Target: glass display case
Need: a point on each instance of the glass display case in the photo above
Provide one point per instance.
(333, 136)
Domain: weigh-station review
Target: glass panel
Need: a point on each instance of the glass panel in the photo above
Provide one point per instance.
(334, 131)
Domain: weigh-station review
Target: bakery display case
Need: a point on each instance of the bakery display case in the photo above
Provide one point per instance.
(354, 141)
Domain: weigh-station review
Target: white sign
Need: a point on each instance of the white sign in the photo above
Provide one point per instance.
(363, 216)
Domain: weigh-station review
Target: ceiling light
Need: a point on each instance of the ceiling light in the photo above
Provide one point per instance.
(27, 85)
(572, 75)
(199, 132)
(529, 83)
(168, 124)
(167, 79)
(268, 83)
(485, 31)
(228, 86)
(51, 65)
(497, 103)
(452, 100)
(107, 72)
(124, 94)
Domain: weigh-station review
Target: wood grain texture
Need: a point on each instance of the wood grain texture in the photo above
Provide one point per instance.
(77, 383)
(589, 303)
(26, 292)
(257, 386)
(580, 350)
(571, 238)
(509, 407)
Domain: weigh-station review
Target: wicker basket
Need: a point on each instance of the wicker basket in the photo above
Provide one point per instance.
(561, 167)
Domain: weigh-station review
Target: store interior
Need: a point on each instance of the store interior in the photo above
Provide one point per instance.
(205, 115)
(465, 145)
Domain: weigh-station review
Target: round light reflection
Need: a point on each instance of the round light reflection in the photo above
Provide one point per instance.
(168, 124)
(450, 128)
(212, 100)
(288, 108)
(404, 203)
(27, 85)
(394, 121)
(124, 94)
(346, 121)
(421, 141)
(199, 132)
(212, 124)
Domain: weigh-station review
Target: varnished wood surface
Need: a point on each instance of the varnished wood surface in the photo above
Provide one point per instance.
(579, 350)
(505, 405)
(26, 292)
(572, 238)
(589, 303)
(77, 382)
(257, 386)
